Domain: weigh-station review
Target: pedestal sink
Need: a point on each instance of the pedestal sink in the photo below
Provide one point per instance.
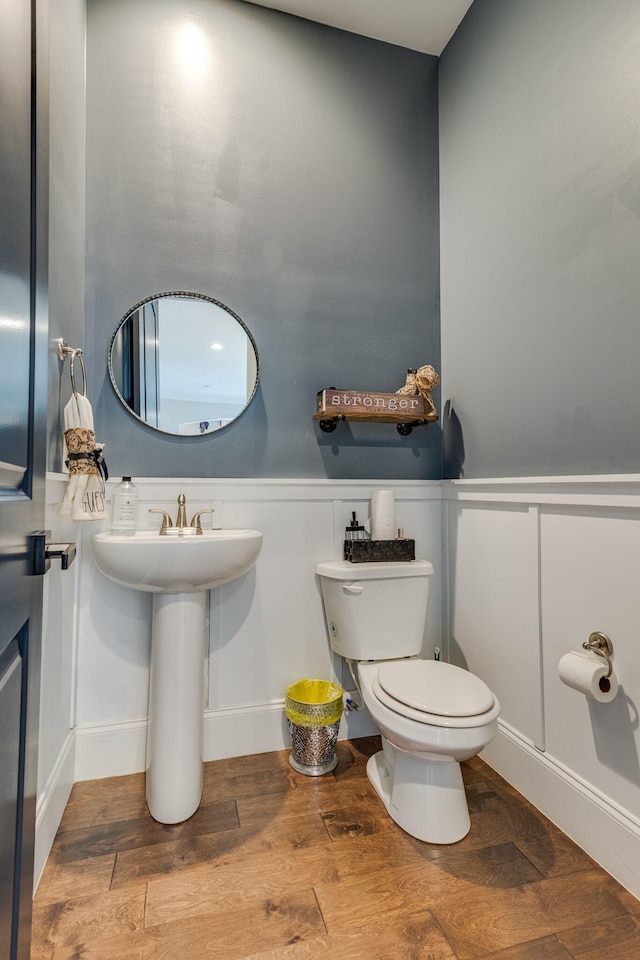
(178, 570)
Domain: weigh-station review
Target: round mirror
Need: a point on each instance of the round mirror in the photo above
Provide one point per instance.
(183, 363)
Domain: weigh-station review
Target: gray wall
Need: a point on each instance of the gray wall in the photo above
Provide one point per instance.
(66, 205)
(297, 182)
(540, 242)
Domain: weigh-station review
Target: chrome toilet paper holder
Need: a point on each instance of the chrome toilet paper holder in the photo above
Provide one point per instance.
(600, 644)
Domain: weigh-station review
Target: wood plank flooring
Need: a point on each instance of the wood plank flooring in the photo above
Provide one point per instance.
(277, 866)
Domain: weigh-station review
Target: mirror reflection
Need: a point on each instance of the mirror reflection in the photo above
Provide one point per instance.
(183, 363)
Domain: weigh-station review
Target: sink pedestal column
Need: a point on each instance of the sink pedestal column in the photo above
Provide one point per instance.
(176, 706)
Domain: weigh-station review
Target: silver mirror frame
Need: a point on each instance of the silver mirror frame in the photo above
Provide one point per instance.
(185, 295)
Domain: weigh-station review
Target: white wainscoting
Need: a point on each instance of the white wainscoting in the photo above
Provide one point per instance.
(266, 630)
(56, 748)
(533, 567)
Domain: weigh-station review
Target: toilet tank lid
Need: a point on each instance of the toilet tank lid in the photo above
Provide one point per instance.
(345, 570)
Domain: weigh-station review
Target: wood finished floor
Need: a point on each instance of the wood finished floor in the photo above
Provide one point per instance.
(277, 866)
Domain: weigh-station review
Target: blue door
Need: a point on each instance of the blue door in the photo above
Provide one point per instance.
(23, 391)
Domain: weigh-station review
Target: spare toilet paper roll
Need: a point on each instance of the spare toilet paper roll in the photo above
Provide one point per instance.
(383, 515)
(586, 673)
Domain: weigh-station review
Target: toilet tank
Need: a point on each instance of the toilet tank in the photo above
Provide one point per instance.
(375, 611)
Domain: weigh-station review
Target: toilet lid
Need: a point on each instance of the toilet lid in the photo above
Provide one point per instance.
(436, 687)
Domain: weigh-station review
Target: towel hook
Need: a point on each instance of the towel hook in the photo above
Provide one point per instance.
(63, 352)
(74, 354)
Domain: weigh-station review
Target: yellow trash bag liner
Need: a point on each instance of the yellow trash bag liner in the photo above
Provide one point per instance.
(313, 703)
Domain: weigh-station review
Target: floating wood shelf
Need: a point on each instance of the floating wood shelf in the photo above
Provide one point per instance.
(405, 411)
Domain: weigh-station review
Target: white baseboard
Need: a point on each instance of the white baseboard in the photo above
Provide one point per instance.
(240, 731)
(110, 749)
(609, 834)
(116, 749)
(51, 804)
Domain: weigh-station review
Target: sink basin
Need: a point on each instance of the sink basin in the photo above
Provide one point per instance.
(177, 564)
(178, 570)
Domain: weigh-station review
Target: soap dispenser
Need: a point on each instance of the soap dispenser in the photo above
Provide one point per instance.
(354, 531)
(124, 508)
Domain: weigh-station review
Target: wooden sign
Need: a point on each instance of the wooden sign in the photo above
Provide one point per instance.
(386, 407)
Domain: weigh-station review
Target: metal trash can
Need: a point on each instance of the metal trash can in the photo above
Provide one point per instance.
(313, 709)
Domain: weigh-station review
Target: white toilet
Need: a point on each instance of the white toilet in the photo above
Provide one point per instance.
(431, 714)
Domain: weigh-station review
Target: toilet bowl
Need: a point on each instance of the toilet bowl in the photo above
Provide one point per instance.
(417, 774)
(431, 715)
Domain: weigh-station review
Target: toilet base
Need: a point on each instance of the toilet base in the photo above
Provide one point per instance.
(424, 797)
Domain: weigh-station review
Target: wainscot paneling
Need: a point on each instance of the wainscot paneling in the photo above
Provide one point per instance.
(591, 572)
(534, 566)
(266, 630)
(493, 596)
(56, 747)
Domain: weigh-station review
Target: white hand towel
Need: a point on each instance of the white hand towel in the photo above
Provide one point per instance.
(84, 498)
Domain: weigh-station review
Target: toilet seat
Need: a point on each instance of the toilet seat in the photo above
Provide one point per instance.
(435, 692)
(434, 686)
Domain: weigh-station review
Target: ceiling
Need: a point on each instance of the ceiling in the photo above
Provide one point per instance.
(424, 25)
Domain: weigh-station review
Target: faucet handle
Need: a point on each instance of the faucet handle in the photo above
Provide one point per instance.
(166, 520)
(195, 520)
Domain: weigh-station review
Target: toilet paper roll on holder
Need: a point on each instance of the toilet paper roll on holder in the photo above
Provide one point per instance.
(600, 644)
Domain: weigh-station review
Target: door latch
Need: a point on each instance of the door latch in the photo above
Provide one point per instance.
(43, 552)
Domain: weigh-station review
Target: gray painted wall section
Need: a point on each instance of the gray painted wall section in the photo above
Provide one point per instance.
(296, 180)
(540, 238)
(66, 205)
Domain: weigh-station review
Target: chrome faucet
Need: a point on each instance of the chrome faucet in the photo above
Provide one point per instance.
(181, 527)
